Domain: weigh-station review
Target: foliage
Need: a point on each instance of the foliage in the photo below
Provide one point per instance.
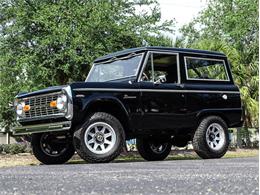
(48, 42)
(14, 148)
(231, 26)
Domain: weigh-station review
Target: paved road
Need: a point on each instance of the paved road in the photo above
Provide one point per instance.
(222, 176)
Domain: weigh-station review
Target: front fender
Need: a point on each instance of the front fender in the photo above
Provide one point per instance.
(90, 101)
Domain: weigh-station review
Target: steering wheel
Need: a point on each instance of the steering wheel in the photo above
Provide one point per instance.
(145, 77)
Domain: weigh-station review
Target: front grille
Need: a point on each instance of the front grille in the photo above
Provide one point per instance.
(40, 106)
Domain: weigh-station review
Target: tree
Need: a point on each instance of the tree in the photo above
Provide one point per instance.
(49, 42)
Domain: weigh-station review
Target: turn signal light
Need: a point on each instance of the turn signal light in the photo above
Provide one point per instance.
(26, 108)
(53, 104)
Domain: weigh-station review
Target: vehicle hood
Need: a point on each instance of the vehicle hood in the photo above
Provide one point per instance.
(40, 92)
(77, 85)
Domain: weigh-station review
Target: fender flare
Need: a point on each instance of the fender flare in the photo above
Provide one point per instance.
(96, 99)
(218, 112)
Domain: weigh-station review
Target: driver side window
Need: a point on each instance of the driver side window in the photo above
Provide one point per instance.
(161, 68)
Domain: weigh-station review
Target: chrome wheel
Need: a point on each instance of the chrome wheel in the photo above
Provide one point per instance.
(100, 138)
(215, 136)
(158, 148)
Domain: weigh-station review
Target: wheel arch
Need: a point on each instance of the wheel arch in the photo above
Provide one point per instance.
(204, 114)
(111, 105)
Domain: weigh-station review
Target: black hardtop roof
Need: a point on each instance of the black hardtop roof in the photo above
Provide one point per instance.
(171, 49)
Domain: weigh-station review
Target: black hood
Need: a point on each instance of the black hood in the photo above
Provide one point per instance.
(42, 91)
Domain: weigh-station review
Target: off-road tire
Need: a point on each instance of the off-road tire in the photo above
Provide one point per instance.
(144, 149)
(199, 140)
(47, 159)
(82, 149)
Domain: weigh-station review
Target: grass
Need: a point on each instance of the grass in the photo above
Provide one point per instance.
(190, 155)
(27, 159)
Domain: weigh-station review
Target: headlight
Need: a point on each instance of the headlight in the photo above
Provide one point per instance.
(62, 102)
(19, 108)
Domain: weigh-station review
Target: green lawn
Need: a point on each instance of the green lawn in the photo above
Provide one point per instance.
(180, 155)
(28, 159)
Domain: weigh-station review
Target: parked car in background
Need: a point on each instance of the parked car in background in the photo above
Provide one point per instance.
(160, 96)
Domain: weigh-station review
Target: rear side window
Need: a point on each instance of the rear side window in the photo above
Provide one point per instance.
(205, 69)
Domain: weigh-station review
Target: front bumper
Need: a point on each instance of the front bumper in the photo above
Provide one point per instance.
(40, 128)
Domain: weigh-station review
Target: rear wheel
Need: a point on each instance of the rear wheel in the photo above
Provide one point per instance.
(211, 138)
(153, 150)
(100, 139)
(52, 148)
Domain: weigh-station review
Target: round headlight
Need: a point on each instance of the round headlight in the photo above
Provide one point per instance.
(19, 108)
(62, 102)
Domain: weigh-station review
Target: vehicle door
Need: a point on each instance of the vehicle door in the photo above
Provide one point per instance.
(162, 98)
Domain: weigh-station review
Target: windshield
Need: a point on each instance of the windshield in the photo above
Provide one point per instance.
(116, 68)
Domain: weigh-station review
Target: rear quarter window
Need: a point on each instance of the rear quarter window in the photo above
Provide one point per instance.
(205, 69)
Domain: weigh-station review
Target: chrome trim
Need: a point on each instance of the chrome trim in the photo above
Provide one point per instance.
(106, 89)
(129, 97)
(212, 59)
(152, 64)
(54, 116)
(178, 69)
(52, 93)
(90, 71)
(68, 92)
(190, 52)
(40, 128)
(161, 52)
(40, 107)
(140, 71)
(155, 90)
(115, 58)
(189, 91)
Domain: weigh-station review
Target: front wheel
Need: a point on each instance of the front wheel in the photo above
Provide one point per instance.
(52, 148)
(100, 139)
(211, 138)
(153, 150)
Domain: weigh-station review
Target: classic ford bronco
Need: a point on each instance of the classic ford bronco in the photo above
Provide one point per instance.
(160, 96)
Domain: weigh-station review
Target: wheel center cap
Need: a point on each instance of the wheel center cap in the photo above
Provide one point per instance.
(99, 137)
(211, 137)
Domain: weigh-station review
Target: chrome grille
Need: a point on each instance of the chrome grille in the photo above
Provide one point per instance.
(40, 106)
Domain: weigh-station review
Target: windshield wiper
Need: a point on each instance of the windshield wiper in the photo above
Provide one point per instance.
(122, 58)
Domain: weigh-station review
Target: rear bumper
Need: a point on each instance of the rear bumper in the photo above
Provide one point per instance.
(40, 128)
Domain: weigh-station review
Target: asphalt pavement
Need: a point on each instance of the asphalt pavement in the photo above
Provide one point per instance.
(215, 176)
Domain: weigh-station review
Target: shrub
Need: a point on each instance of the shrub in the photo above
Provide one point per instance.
(14, 148)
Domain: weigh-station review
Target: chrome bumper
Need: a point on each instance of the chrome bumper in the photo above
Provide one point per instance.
(40, 128)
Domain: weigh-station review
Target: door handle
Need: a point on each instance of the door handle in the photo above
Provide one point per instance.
(183, 109)
(181, 85)
(224, 96)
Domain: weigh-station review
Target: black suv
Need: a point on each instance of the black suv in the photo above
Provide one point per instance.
(160, 96)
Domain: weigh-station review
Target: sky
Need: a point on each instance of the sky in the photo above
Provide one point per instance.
(183, 11)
